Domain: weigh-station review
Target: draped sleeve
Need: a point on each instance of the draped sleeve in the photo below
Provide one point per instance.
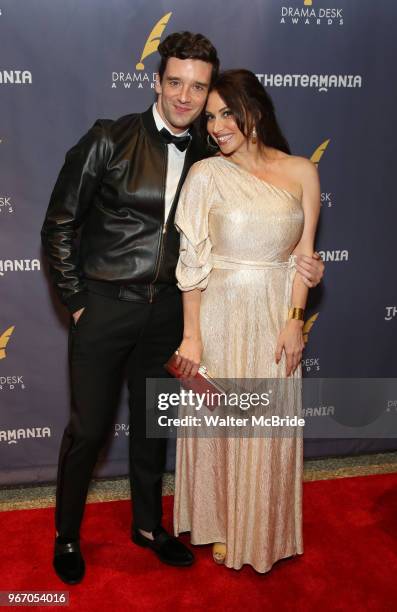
(191, 219)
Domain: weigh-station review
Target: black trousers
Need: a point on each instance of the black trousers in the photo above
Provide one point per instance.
(112, 338)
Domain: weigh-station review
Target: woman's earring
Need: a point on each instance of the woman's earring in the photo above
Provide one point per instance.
(211, 142)
(254, 136)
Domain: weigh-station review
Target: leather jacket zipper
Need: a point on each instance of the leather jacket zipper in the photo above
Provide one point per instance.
(161, 253)
(163, 231)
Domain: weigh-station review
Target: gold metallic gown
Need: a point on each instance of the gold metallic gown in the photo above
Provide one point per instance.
(237, 236)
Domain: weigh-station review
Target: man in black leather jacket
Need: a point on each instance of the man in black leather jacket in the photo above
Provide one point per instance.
(112, 246)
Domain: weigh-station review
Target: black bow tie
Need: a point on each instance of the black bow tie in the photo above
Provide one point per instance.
(181, 142)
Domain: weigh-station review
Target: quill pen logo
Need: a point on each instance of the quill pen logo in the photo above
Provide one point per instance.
(9, 382)
(310, 364)
(326, 196)
(4, 340)
(308, 325)
(153, 40)
(141, 78)
(319, 152)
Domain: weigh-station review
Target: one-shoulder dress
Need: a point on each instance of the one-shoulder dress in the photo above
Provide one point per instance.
(238, 233)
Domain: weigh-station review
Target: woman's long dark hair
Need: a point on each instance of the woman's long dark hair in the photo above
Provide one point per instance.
(251, 106)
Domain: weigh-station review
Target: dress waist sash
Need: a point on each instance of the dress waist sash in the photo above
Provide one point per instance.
(223, 262)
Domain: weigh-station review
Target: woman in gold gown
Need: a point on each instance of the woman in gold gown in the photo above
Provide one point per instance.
(244, 215)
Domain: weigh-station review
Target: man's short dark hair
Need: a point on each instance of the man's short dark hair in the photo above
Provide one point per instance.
(186, 45)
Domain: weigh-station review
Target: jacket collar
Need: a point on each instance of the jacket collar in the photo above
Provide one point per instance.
(150, 124)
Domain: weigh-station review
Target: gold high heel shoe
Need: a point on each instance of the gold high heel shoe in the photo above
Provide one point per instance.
(219, 552)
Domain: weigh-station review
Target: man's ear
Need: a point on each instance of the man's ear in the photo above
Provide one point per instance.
(157, 85)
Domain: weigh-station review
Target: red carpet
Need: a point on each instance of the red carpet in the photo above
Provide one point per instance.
(350, 559)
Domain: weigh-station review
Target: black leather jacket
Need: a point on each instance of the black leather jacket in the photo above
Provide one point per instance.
(112, 189)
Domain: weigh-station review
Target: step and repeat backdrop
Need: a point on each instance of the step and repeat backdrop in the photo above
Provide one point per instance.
(328, 66)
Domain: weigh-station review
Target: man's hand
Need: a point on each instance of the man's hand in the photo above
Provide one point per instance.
(76, 315)
(311, 269)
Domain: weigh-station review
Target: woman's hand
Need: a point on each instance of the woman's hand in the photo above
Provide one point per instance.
(189, 356)
(291, 341)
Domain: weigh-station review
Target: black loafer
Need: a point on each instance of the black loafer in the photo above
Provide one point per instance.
(168, 548)
(68, 561)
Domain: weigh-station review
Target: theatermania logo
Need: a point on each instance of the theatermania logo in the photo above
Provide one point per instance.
(326, 196)
(307, 12)
(391, 313)
(310, 364)
(318, 411)
(337, 255)
(13, 436)
(19, 265)
(140, 78)
(321, 82)
(15, 77)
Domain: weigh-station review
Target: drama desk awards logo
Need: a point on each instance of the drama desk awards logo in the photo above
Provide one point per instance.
(139, 78)
(308, 12)
(6, 204)
(121, 429)
(8, 382)
(326, 196)
(310, 364)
